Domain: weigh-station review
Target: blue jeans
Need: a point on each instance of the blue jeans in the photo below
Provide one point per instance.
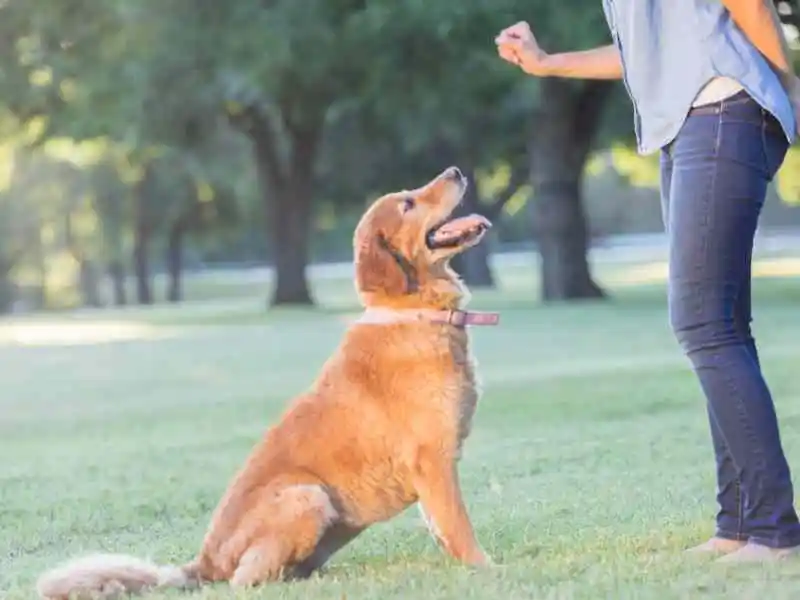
(714, 178)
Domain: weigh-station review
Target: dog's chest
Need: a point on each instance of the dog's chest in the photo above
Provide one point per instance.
(467, 388)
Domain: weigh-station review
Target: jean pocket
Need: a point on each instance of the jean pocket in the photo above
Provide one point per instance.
(744, 141)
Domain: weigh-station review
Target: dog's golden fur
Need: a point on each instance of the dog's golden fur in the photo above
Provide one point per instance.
(381, 429)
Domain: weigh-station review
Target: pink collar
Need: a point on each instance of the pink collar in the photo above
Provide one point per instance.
(457, 318)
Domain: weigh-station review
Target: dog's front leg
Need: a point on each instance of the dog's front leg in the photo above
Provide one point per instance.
(442, 507)
(437, 537)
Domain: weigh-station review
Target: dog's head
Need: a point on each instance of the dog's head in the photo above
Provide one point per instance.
(405, 240)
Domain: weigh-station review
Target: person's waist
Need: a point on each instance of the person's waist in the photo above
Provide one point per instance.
(718, 88)
(741, 102)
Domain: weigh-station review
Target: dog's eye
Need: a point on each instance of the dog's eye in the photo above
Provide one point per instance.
(408, 204)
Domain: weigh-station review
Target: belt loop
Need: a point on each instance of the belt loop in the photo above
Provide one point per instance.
(723, 105)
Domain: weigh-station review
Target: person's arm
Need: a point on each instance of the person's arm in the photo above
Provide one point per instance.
(759, 21)
(518, 45)
(598, 63)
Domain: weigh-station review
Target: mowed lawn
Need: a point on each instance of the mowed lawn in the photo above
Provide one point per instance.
(588, 471)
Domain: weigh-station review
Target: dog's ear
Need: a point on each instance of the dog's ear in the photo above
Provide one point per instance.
(380, 267)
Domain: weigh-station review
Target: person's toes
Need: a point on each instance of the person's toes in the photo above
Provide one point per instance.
(752, 553)
(716, 545)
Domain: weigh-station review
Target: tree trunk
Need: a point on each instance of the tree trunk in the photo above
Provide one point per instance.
(116, 271)
(40, 302)
(288, 195)
(567, 122)
(175, 260)
(473, 264)
(141, 237)
(89, 283)
(290, 232)
(8, 292)
(88, 279)
(141, 267)
(560, 230)
(287, 187)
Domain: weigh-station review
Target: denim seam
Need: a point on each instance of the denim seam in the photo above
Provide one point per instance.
(767, 163)
(755, 448)
(739, 503)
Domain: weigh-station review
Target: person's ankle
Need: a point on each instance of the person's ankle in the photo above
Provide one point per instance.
(755, 552)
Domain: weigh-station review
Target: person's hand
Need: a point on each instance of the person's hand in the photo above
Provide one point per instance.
(517, 45)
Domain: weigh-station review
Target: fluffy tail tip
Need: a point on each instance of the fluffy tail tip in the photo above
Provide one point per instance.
(106, 576)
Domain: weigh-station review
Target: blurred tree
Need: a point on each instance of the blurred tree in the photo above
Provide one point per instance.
(789, 12)
(365, 66)
(392, 91)
(113, 207)
(133, 75)
(19, 223)
(81, 230)
(196, 204)
(788, 179)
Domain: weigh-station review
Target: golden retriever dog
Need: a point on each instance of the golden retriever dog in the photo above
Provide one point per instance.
(381, 428)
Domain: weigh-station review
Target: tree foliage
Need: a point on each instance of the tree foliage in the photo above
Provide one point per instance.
(167, 124)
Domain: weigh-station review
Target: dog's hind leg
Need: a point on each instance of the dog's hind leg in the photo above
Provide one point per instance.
(336, 538)
(295, 521)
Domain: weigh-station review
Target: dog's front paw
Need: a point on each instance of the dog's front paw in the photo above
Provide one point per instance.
(480, 560)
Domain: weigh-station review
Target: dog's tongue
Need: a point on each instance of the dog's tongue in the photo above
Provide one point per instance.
(461, 225)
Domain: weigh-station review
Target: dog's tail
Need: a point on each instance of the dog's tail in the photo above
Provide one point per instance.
(102, 576)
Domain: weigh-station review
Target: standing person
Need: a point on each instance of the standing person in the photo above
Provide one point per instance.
(713, 89)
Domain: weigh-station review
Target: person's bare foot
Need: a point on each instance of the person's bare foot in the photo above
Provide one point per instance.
(753, 553)
(717, 545)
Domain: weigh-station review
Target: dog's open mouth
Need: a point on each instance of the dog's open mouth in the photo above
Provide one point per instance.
(452, 233)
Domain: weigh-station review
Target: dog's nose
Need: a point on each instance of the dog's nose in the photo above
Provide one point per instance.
(455, 173)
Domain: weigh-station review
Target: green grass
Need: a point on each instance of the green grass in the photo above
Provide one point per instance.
(588, 471)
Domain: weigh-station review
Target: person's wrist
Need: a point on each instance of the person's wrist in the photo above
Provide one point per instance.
(538, 63)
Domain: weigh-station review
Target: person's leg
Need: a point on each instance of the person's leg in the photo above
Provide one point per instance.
(730, 518)
(742, 311)
(730, 534)
(721, 166)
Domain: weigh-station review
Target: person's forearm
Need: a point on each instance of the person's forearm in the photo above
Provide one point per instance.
(598, 63)
(759, 21)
